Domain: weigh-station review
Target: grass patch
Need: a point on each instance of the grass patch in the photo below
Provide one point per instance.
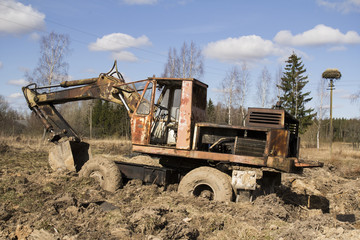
(344, 158)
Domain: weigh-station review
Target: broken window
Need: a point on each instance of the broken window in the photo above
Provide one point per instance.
(145, 104)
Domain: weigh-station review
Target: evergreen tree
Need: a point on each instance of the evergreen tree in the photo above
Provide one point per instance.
(110, 120)
(96, 115)
(293, 98)
(210, 112)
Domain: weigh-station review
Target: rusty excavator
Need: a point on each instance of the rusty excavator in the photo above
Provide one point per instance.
(167, 119)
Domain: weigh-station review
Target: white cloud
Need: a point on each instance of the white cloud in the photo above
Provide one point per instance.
(344, 6)
(242, 48)
(117, 43)
(319, 35)
(1, 65)
(124, 56)
(17, 18)
(18, 82)
(15, 95)
(337, 48)
(140, 2)
(34, 36)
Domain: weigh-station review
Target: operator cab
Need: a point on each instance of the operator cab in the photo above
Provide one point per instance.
(172, 97)
(167, 110)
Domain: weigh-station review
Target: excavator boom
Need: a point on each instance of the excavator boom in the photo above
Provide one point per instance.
(69, 152)
(105, 87)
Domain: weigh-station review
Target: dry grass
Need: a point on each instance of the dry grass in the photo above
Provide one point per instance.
(99, 146)
(24, 142)
(110, 146)
(344, 158)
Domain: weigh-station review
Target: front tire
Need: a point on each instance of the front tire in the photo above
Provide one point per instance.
(208, 183)
(105, 173)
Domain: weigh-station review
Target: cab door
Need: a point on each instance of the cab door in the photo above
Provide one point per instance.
(142, 117)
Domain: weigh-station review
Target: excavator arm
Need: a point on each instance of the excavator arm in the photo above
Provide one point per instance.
(105, 87)
(68, 151)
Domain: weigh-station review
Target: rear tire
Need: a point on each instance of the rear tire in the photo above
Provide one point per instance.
(105, 173)
(207, 182)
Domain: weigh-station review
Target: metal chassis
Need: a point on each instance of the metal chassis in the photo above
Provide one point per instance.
(148, 174)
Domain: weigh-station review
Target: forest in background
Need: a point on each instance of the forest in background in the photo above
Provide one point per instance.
(112, 121)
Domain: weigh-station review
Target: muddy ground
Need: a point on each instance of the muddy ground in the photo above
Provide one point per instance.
(37, 203)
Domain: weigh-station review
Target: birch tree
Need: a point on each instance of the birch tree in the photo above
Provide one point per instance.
(263, 85)
(189, 64)
(234, 89)
(278, 92)
(244, 88)
(322, 100)
(172, 65)
(52, 67)
(231, 89)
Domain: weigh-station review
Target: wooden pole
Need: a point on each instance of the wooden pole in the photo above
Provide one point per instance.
(90, 120)
(331, 74)
(331, 125)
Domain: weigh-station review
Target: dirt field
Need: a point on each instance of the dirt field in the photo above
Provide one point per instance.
(36, 203)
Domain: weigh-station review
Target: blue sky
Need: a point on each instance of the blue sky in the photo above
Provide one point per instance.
(139, 33)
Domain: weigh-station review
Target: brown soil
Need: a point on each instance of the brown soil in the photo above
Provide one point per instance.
(36, 203)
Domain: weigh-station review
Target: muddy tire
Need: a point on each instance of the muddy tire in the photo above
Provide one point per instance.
(105, 172)
(208, 183)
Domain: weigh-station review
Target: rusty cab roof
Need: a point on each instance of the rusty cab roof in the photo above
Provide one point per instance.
(170, 81)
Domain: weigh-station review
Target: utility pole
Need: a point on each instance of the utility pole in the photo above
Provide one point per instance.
(331, 87)
(90, 118)
(331, 74)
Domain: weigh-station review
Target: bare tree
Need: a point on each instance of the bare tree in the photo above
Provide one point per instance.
(244, 87)
(231, 91)
(9, 119)
(277, 89)
(4, 107)
(188, 65)
(172, 66)
(322, 99)
(263, 87)
(52, 67)
(234, 89)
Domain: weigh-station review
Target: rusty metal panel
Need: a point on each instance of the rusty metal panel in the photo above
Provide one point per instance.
(140, 129)
(141, 124)
(184, 128)
(214, 125)
(222, 157)
(301, 164)
(278, 140)
(196, 137)
(250, 147)
(103, 88)
(281, 163)
(199, 103)
(263, 117)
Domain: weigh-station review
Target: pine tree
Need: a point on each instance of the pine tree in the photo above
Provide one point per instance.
(210, 112)
(293, 98)
(96, 115)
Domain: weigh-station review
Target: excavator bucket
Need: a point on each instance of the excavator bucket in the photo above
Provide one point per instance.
(69, 155)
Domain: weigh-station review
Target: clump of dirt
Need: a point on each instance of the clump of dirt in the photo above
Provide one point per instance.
(37, 203)
(3, 147)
